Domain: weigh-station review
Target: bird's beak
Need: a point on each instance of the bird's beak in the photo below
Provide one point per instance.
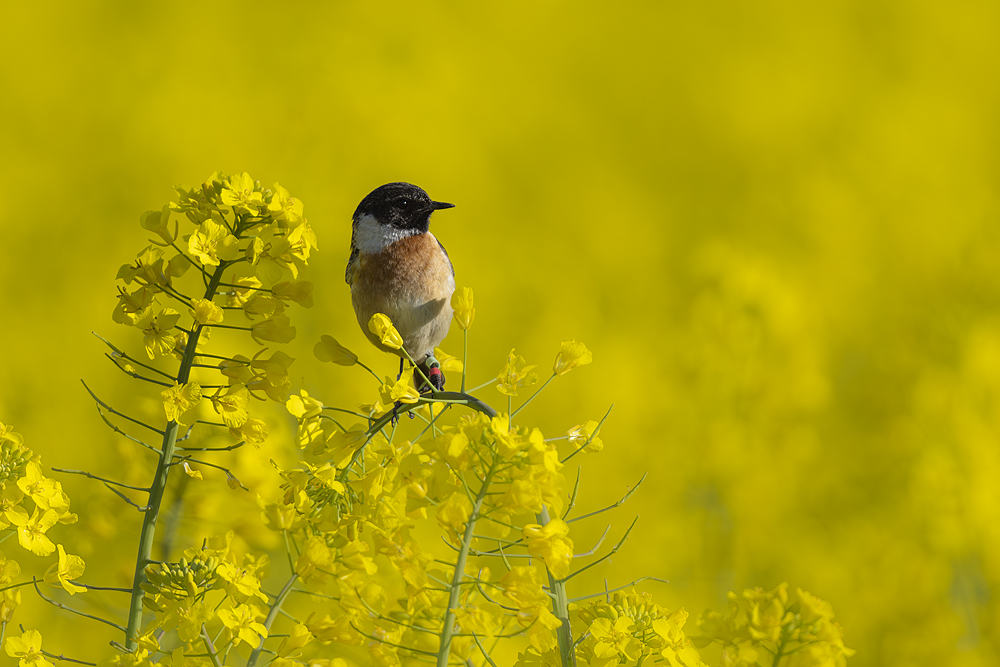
(438, 205)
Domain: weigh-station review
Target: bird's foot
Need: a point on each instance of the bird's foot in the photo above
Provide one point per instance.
(395, 413)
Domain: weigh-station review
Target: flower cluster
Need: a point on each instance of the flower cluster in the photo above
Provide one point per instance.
(208, 583)
(241, 256)
(769, 628)
(248, 246)
(629, 629)
(423, 539)
(31, 504)
(488, 484)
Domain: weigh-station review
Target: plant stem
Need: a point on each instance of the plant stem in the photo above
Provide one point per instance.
(448, 629)
(159, 484)
(465, 359)
(275, 608)
(560, 607)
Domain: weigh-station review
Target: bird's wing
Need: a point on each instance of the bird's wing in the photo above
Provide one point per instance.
(351, 265)
(446, 257)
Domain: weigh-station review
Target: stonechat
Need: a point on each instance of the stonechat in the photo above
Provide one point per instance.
(398, 268)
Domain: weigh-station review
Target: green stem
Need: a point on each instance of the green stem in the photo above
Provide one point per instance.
(159, 485)
(560, 607)
(374, 374)
(448, 628)
(208, 645)
(465, 358)
(781, 649)
(275, 609)
(532, 397)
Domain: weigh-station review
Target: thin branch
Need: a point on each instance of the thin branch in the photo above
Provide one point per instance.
(387, 643)
(106, 481)
(318, 595)
(73, 611)
(605, 556)
(275, 608)
(257, 289)
(124, 434)
(532, 397)
(611, 507)
(135, 375)
(103, 588)
(615, 590)
(141, 508)
(65, 659)
(596, 546)
(115, 412)
(212, 653)
(576, 490)
(350, 412)
(213, 449)
(133, 359)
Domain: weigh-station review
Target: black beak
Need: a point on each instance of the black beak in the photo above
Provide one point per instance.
(438, 205)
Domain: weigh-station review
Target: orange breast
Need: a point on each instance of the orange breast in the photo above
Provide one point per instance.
(411, 281)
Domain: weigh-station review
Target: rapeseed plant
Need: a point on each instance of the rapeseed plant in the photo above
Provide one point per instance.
(404, 543)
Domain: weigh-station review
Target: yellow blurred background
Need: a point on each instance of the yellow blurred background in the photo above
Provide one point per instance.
(775, 224)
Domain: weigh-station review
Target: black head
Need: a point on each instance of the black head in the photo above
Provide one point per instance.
(401, 205)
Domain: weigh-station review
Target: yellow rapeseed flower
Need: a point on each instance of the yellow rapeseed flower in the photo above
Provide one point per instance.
(461, 303)
(299, 637)
(247, 286)
(158, 336)
(303, 406)
(240, 193)
(578, 435)
(31, 531)
(179, 399)
(158, 222)
(448, 362)
(212, 243)
(9, 570)
(329, 349)
(571, 355)
(299, 291)
(515, 374)
(540, 623)
(242, 623)
(278, 329)
(551, 544)
(254, 431)
(382, 327)
(283, 206)
(232, 406)
(677, 649)
(614, 641)
(27, 647)
(205, 312)
(10, 600)
(69, 567)
(454, 513)
(400, 390)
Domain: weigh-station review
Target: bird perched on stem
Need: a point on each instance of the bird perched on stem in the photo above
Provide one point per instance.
(398, 268)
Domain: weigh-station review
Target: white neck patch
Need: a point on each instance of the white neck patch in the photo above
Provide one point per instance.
(371, 236)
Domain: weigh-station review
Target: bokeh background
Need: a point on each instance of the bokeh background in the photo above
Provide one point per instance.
(775, 224)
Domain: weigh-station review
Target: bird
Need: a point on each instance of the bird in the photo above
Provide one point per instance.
(398, 267)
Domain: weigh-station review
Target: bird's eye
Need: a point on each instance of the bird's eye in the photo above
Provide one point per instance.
(403, 203)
